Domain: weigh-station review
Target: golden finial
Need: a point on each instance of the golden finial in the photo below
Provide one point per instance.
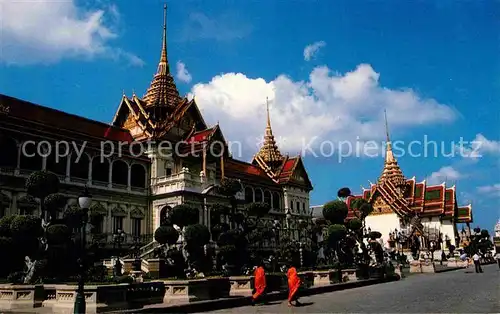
(123, 92)
(268, 116)
(386, 127)
(133, 92)
(164, 46)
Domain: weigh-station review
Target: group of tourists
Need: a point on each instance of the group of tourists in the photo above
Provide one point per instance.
(294, 283)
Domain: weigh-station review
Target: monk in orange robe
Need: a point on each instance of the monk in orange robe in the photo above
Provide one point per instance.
(260, 283)
(293, 286)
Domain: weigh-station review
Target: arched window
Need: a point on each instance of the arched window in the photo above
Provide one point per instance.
(138, 176)
(164, 213)
(8, 157)
(57, 164)
(248, 195)
(79, 167)
(267, 198)
(276, 200)
(120, 172)
(30, 158)
(258, 195)
(100, 170)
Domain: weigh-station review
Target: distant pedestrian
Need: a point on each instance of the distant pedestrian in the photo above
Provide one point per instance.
(259, 283)
(293, 286)
(498, 259)
(477, 262)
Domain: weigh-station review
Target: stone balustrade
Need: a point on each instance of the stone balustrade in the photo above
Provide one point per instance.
(21, 297)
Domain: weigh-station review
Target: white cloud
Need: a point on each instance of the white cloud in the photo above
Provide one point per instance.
(328, 107)
(478, 147)
(444, 174)
(311, 50)
(225, 27)
(490, 189)
(182, 73)
(46, 31)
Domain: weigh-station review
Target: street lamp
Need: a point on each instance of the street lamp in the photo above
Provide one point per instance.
(118, 238)
(84, 201)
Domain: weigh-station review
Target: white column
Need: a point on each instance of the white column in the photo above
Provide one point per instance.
(18, 163)
(110, 174)
(68, 167)
(129, 178)
(89, 179)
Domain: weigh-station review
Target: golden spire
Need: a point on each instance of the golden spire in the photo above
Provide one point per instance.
(391, 170)
(162, 91)
(269, 151)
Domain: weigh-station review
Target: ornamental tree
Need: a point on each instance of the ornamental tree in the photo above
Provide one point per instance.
(184, 215)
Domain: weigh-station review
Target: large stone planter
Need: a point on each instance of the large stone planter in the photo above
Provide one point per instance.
(241, 285)
(97, 298)
(415, 267)
(428, 266)
(325, 277)
(186, 291)
(275, 282)
(21, 297)
(219, 287)
(307, 279)
(157, 268)
(349, 275)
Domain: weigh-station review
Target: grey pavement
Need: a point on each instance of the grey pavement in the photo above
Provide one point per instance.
(460, 291)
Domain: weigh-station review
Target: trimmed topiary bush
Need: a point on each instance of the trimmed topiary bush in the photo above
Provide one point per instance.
(229, 187)
(354, 224)
(335, 211)
(258, 210)
(55, 202)
(58, 234)
(166, 235)
(42, 183)
(25, 226)
(184, 215)
(196, 235)
(5, 223)
(336, 233)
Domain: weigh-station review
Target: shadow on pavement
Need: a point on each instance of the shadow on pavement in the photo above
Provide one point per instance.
(304, 304)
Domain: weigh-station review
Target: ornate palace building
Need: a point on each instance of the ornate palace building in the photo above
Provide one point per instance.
(133, 191)
(396, 200)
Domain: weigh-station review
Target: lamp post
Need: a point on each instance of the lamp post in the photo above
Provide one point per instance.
(84, 201)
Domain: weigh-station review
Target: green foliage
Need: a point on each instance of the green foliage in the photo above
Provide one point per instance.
(73, 216)
(344, 192)
(58, 234)
(485, 233)
(55, 202)
(375, 235)
(5, 223)
(196, 235)
(166, 235)
(336, 233)
(42, 183)
(258, 209)
(362, 206)
(184, 215)
(354, 224)
(25, 226)
(335, 212)
(220, 209)
(229, 187)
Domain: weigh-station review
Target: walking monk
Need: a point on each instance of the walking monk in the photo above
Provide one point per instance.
(293, 286)
(260, 283)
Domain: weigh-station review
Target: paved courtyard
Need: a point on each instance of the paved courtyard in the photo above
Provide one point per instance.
(460, 291)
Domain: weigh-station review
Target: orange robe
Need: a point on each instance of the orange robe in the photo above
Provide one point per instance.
(260, 282)
(293, 283)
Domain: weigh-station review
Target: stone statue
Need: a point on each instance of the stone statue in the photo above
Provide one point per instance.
(30, 269)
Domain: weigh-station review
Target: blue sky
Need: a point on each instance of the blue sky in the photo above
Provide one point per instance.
(432, 64)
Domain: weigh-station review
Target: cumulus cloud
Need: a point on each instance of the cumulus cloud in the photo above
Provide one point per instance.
(183, 74)
(226, 27)
(478, 147)
(444, 174)
(311, 50)
(328, 106)
(490, 189)
(47, 31)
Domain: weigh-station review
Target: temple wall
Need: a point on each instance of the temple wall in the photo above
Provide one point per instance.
(383, 223)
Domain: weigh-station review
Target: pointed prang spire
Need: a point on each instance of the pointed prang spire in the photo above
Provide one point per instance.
(269, 151)
(162, 91)
(391, 169)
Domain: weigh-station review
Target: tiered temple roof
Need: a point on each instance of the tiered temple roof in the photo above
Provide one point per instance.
(408, 198)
